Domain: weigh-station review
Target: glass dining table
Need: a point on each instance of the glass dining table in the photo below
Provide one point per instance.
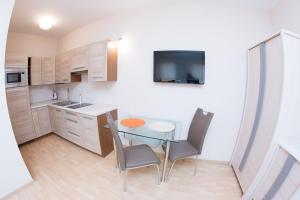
(153, 132)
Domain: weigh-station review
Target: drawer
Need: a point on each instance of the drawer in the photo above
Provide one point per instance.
(73, 137)
(71, 115)
(89, 122)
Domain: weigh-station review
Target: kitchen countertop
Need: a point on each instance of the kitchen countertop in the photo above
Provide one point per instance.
(43, 103)
(292, 148)
(93, 110)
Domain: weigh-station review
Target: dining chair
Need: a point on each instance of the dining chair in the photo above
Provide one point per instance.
(194, 143)
(131, 157)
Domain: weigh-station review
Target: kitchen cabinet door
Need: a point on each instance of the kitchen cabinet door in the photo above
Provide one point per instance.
(79, 59)
(57, 69)
(36, 70)
(48, 70)
(65, 64)
(13, 61)
(97, 62)
(90, 133)
(20, 114)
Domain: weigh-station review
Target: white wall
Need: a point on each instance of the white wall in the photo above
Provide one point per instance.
(33, 46)
(13, 172)
(223, 31)
(286, 15)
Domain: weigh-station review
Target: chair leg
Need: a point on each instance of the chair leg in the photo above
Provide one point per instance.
(169, 174)
(158, 174)
(196, 165)
(125, 181)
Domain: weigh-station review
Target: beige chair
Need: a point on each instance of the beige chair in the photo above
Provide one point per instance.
(132, 157)
(194, 143)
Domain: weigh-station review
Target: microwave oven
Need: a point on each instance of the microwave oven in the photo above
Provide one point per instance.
(16, 77)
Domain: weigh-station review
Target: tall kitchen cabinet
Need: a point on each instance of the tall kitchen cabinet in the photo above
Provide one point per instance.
(271, 107)
(20, 113)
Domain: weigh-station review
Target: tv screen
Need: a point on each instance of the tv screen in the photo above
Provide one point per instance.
(179, 67)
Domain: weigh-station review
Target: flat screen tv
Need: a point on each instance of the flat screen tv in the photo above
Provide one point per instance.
(179, 67)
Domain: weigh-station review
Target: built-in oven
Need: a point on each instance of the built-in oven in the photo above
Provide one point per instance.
(16, 77)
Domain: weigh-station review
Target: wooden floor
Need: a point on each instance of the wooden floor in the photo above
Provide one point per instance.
(62, 170)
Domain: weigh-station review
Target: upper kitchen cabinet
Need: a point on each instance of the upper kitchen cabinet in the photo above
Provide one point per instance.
(102, 59)
(48, 70)
(16, 61)
(42, 70)
(79, 60)
(63, 69)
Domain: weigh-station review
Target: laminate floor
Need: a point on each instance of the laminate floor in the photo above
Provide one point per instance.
(64, 171)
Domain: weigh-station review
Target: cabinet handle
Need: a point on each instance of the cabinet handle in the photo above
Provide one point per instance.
(78, 67)
(73, 133)
(71, 120)
(58, 110)
(97, 76)
(88, 118)
(69, 113)
(65, 79)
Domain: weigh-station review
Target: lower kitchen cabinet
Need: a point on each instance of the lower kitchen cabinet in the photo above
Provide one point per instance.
(282, 178)
(20, 114)
(84, 130)
(41, 120)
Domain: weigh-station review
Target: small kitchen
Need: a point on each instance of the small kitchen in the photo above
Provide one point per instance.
(37, 90)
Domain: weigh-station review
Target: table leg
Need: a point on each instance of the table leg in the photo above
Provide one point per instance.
(166, 162)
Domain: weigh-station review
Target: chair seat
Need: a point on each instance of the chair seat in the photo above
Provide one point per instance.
(180, 150)
(140, 155)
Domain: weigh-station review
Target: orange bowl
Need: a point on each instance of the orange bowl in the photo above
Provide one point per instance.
(132, 122)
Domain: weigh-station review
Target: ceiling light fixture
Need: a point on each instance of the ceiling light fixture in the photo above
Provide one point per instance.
(46, 23)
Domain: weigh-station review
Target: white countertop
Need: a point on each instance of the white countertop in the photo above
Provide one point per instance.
(93, 110)
(292, 148)
(43, 103)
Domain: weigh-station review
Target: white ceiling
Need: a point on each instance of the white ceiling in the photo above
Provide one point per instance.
(71, 14)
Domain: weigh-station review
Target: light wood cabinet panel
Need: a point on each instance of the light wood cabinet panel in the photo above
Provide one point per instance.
(102, 62)
(63, 69)
(79, 59)
(42, 70)
(36, 70)
(13, 60)
(48, 70)
(58, 122)
(20, 114)
(41, 120)
(90, 133)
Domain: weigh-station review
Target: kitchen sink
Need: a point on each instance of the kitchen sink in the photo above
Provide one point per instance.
(80, 105)
(65, 103)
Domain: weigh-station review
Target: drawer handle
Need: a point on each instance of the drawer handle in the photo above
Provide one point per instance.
(65, 79)
(73, 133)
(71, 120)
(69, 113)
(88, 118)
(78, 67)
(58, 110)
(97, 77)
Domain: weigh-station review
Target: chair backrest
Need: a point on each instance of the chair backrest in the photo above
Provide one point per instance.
(118, 143)
(198, 128)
